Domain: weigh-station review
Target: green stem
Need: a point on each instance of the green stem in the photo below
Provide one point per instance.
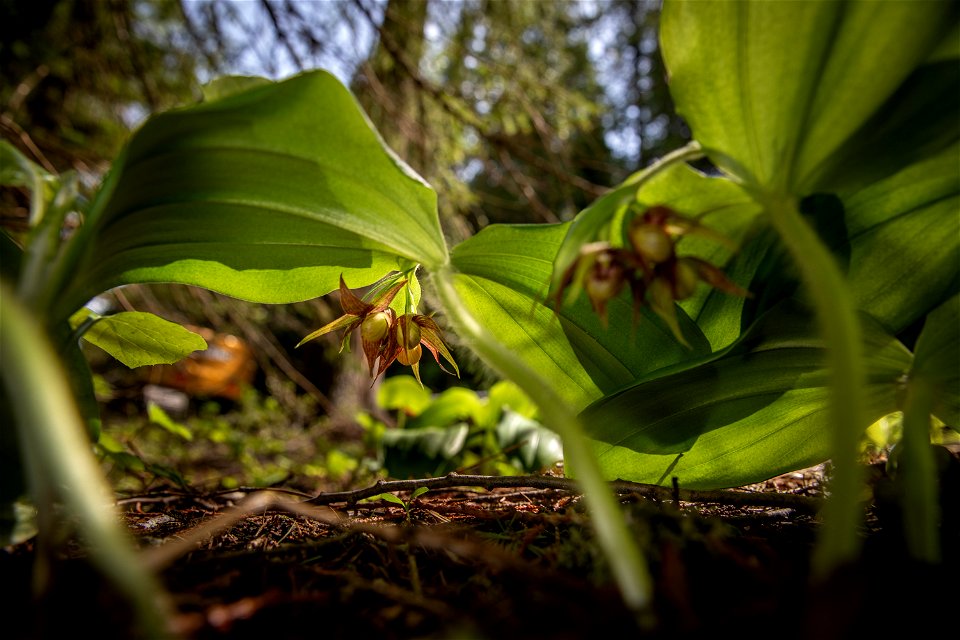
(842, 514)
(918, 471)
(629, 567)
(60, 464)
(690, 151)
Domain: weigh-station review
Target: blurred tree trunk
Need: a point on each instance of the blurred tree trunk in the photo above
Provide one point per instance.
(393, 98)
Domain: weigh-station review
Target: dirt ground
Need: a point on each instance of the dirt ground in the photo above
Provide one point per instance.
(503, 563)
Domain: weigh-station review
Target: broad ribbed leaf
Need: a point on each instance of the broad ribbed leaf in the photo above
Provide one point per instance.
(137, 339)
(750, 412)
(503, 277)
(905, 241)
(937, 360)
(772, 89)
(268, 195)
(899, 238)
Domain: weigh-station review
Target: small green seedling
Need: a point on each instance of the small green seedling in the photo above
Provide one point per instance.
(407, 505)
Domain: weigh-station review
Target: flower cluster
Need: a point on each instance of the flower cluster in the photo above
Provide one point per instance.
(385, 336)
(649, 265)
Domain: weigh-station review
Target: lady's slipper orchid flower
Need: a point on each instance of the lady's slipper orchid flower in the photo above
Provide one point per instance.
(375, 319)
(385, 336)
(648, 263)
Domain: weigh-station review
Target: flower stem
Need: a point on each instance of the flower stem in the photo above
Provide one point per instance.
(629, 567)
(61, 468)
(839, 540)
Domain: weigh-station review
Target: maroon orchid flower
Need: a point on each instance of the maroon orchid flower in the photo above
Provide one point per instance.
(384, 335)
(375, 319)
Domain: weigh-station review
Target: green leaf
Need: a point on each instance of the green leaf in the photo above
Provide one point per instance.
(507, 395)
(503, 279)
(403, 393)
(419, 491)
(918, 121)
(456, 404)
(899, 239)
(159, 417)
(528, 442)
(411, 453)
(933, 387)
(905, 241)
(772, 89)
(138, 339)
(388, 497)
(745, 414)
(267, 195)
(226, 86)
(936, 360)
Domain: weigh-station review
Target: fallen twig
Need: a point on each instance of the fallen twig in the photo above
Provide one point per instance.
(653, 492)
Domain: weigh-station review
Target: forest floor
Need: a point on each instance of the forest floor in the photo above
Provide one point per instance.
(502, 563)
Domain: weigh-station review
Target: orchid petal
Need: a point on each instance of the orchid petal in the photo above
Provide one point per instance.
(717, 279)
(350, 303)
(383, 301)
(432, 338)
(348, 321)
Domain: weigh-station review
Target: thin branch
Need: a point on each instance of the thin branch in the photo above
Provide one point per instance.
(281, 34)
(124, 30)
(526, 188)
(7, 122)
(267, 343)
(201, 43)
(653, 492)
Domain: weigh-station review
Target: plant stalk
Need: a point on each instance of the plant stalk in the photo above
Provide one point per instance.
(690, 151)
(628, 565)
(839, 541)
(60, 465)
(918, 471)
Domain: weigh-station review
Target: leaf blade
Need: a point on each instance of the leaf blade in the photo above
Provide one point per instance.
(138, 339)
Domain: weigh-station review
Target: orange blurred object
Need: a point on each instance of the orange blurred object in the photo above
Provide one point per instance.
(222, 370)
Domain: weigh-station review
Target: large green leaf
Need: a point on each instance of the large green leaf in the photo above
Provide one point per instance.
(918, 120)
(933, 387)
(268, 194)
(750, 412)
(137, 339)
(905, 241)
(937, 360)
(899, 240)
(772, 89)
(503, 277)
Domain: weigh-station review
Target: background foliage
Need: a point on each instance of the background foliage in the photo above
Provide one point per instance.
(514, 111)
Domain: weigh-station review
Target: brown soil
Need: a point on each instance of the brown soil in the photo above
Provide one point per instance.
(518, 563)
